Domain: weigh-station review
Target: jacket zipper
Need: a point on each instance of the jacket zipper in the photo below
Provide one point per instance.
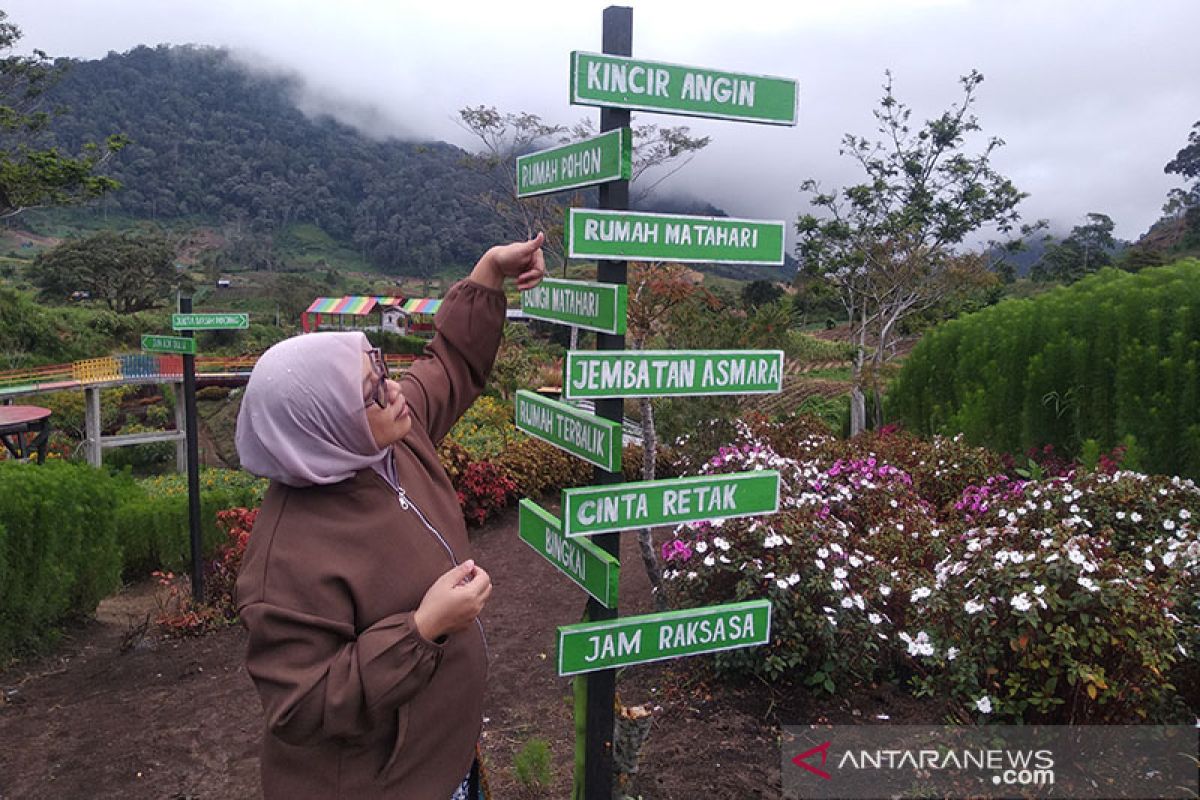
(406, 503)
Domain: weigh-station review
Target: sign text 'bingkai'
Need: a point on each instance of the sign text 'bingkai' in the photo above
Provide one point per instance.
(596, 572)
(603, 508)
(594, 439)
(210, 322)
(599, 159)
(670, 373)
(621, 235)
(622, 82)
(584, 304)
(591, 646)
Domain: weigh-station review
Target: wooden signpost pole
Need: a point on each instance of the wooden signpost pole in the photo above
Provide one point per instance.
(617, 39)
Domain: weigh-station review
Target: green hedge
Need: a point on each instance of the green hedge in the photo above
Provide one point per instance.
(58, 548)
(1110, 360)
(68, 532)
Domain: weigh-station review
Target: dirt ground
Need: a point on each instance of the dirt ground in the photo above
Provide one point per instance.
(114, 714)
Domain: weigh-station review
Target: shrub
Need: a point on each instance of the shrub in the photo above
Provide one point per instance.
(58, 548)
(483, 489)
(212, 393)
(179, 614)
(486, 429)
(536, 467)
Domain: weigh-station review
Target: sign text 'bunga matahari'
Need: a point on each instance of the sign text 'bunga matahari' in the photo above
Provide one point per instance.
(584, 304)
(605, 508)
(591, 646)
(667, 373)
(622, 82)
(619, 235)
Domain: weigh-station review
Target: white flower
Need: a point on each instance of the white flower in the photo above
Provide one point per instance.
(921, 646)
(1074, 509)
(984, 705)
(1168, 558)
(840, 573)
(855, 561)
(701, 547)
(874, 618)
(847, 602)
(1087, 583)
(792, 579)
(837, 586)
(774, 540)
(781, 583)
(1149, 565)
(973, 607)
(1039, 589)
(1135, 517)
(858, 601)
(1120, 515)
(709, 561)
(720, 543)
(952, 654)
(1169, 524)
(885, 590)
(820, 564)
(1021, 602)
(920, 594)
(1185, 514)
(823, 552)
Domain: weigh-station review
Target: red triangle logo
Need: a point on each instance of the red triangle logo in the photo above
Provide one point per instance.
(800, 760)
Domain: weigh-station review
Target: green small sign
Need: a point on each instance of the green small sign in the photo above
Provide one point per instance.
(622, 82)
(604, 508)
(594, 439)
(210, 322)
(603, 158)
(584, 304)
(597, 572)
(591, 646)
(620, 235)
(169, 344)
(671, 373)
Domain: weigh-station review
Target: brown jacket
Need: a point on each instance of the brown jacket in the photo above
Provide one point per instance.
(358, 704)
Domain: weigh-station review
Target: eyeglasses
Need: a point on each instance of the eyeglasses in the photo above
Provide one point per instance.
(379, 367)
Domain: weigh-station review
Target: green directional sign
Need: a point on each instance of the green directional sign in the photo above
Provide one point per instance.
(622, 82)
(591, 646)
(669, 373)
(215, 321)
(590, 510)
(603, 158)
(620, 235)
(169, 344)
(584, 304)
(594, 570)
(594, 439)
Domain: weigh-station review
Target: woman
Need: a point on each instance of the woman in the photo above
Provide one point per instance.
(357, 588)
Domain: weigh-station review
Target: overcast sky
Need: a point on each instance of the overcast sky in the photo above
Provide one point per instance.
(1092, 98)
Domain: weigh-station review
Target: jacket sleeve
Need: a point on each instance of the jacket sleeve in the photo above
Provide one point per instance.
(441, 385)
(318, 680)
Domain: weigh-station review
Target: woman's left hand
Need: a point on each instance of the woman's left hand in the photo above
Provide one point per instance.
(520, 260)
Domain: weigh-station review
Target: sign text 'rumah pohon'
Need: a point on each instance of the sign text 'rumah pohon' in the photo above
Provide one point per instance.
(591, 646)
(599, 159)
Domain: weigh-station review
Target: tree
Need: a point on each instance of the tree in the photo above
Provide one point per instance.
(888, 244)
(1088, 248)
(760, 292)
(128, 272)
(32, 175)
(1185, 203)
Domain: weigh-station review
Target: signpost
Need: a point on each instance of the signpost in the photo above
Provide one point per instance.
(613, 81)
(594, 439)
(599, 234)
(607, 157)
(591, 646)
(584, 304)
(590, 510)
(671, 373)
(594, 570)
(168, 344)
(210, 321)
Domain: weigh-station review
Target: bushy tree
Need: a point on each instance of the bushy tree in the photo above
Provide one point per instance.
(757, 293)
(889, 244)
(31, 174)
(126, 271)
(1088, 248)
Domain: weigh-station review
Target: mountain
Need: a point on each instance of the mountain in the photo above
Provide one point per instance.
(214, 141)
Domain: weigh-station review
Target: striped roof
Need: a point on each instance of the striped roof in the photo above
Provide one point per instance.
(418, 305)
(351, 304)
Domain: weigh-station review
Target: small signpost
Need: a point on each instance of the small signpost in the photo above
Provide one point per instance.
(168, 344)
(671, 373)
(589, 510)
(594, 439)
(210, 321)
(603, 158)
(594, 570)
(584, 304)
(619, 82)
(591, 646)
(600, 234)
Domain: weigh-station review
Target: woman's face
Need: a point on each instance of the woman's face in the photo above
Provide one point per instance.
(393, 422)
